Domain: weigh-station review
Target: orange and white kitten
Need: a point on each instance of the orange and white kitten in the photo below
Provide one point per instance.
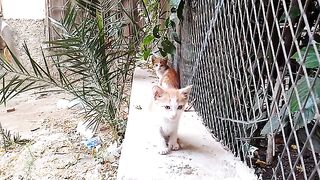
(168, 77)
(169, 105)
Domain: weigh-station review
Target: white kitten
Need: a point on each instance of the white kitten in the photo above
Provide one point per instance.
(169, 104)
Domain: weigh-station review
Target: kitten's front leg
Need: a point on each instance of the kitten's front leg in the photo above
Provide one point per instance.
(163, 148)
(173, 142)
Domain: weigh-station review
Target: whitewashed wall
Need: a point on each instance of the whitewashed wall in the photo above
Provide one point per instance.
(26, 19)
(23, 9)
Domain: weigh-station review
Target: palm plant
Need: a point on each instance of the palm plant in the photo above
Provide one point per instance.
(9, 138)
(91, 58)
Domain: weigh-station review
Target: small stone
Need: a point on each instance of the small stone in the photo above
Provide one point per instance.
(11, 110)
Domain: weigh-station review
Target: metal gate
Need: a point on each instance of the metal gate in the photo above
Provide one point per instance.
(254, 65)
(55, 10)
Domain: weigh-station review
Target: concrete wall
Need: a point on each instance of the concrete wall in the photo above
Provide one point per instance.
(26, 18)
(24, 9)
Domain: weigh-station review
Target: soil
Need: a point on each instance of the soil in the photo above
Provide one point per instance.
(266, 171)
(54, 149)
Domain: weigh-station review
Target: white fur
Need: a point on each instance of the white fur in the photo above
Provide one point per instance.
(168, 123)
(160, 70)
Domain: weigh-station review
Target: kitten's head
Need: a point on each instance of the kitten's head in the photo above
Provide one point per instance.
(170, 103)
(159, 63)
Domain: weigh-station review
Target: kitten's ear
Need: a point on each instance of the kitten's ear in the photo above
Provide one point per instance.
(157, 92)
(185, 91)
(165, 60)
(153, 59)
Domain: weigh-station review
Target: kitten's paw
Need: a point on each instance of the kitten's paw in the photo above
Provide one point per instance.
(174, 146)
(164, 151)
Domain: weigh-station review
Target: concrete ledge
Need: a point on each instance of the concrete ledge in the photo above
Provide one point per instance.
(201, 157)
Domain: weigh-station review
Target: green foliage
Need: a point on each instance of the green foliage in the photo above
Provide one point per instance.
(275, 121)
(167, 47)
(303, 92)
(307, 106)
(148, 39)
(155, 31)
(91, 59)
(162, 35)
(293, 13)
(9, 139)
(180, 10)
(311, 58)
(309, 113)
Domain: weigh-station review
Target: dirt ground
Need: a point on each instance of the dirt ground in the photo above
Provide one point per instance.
(55, 150)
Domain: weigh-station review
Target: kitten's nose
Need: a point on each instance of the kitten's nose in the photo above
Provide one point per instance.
(172, 116)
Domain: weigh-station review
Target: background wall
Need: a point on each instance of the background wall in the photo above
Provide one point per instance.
(26, 19)
(23, 9)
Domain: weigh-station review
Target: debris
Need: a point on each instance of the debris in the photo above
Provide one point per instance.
(42, 95)
(252, 151)
(261, 163)
(94, 142)
(32, 130)
(66, 104)
(138, 107)
(299, 168)
(110, 154)
(103, 128)
(62, 104)
(84, 131)
(11, 110)
(293, 146)
(114, 150)
(76, 103)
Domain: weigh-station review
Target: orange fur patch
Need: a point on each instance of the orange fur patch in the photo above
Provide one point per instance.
(170, 78)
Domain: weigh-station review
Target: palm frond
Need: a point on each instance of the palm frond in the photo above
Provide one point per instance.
(91, 59)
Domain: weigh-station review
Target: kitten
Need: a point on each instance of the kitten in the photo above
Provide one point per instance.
(169, 104)
(168, 77)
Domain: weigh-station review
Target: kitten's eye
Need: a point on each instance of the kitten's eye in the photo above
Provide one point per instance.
(161, 65)
(167, 107)
(180, 107)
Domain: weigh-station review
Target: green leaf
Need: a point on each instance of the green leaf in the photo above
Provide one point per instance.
(162, 52)
(176, 37)
(303, 92)
(309, 113)
(273, 125)
(294, 12)
(180, 10)
(148, 39)
(146, 53)
(168, 46)
(155, 31)
(311, 58)
(170, 23)
(167, 23)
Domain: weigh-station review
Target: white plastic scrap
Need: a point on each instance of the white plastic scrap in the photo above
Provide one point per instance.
(84, 131)
(251, 151)
(66, 104)
(113, 151)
